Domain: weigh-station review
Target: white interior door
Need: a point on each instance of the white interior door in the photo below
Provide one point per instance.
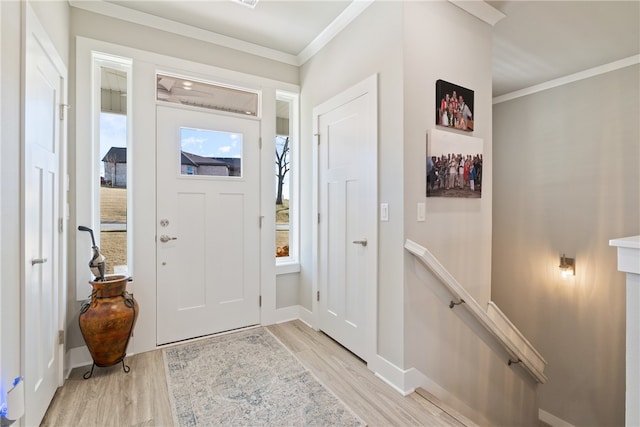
(207, 231)
(44, 84)
(348, 218)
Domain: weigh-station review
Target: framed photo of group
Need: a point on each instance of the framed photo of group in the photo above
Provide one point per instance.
(454, 106)
(454, 165)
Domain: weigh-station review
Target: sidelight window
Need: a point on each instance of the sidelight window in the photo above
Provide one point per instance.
(286, 187)
(114, 237)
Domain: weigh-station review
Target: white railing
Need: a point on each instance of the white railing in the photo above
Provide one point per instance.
(629, 263)
(493, 320)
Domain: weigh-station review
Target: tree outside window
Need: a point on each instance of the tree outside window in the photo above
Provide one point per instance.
(282, 167)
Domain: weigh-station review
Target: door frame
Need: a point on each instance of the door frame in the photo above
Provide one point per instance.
(367, 87)
(31, 24)
(145, 65)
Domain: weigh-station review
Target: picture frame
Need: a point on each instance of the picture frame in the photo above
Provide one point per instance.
(454, 106)
(454, 165)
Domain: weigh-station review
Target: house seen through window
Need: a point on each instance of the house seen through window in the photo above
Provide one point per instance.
(113, 167)
(210, 152)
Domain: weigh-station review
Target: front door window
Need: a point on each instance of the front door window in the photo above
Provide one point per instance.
(210, 153)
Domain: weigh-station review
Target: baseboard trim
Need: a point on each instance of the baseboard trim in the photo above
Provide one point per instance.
(417, 379)
(307, 316)
(287, 313)
(78, 356)
(406, 381)
(552, 420)
(391, 374)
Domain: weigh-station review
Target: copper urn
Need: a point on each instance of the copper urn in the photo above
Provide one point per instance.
(107, 320)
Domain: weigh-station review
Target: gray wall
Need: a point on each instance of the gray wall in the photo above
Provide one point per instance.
(371, 44)
(54, 17)
(566, 180)
(457, 231)
(287, 290)
(401, 42)
(440, 342)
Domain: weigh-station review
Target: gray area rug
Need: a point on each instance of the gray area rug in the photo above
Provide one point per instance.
(247, 378)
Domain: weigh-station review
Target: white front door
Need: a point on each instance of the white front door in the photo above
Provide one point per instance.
(347, 180)
(44, 85)
(207, 223)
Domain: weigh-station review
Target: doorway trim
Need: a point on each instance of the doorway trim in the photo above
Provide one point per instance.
(145, 65)
(368, 86)
(33, 28)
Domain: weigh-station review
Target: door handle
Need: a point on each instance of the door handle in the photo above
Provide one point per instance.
(38, 261)
(164, 238)
(362, 242)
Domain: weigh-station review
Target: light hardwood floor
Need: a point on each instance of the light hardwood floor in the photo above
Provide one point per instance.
(140, 398)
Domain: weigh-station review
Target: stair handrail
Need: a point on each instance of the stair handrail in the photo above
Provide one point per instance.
(463, 298)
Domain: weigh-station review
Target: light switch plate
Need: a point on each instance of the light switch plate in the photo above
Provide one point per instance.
(421, 212)
(384, 211)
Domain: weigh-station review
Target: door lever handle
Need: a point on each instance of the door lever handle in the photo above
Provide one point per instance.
(362, 242)
(164, 238)
(38, 261)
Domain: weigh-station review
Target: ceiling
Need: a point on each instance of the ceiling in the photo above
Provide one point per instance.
(537, 41)
(286, 26)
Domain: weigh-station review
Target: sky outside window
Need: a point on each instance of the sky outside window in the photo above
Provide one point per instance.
(208, 143)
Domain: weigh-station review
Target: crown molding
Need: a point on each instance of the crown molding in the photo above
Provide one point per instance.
(141, 18)
(136, 17)
(480, 10)
(333, 29)
(581, 75)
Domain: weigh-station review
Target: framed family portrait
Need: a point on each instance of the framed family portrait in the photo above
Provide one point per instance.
(454, 165)
(454, 106)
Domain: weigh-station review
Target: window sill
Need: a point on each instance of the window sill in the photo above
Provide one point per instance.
(287, 267)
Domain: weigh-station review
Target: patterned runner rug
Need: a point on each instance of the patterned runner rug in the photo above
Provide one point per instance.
(247, 378)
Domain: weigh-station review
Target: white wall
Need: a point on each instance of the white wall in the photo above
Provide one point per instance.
(566, 180)
(443, 42)
(54, 17)
(371, 44)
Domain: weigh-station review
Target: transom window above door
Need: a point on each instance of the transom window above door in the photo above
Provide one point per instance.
(185, 91)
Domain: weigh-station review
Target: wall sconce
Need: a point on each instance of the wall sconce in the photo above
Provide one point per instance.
(567, 266)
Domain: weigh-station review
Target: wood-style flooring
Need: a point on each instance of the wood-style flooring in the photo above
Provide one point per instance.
(140, 398)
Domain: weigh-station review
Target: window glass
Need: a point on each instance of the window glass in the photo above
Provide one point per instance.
(186, 91)
(113, 168)
(210, 152)
(285, 180)
(283, 195)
